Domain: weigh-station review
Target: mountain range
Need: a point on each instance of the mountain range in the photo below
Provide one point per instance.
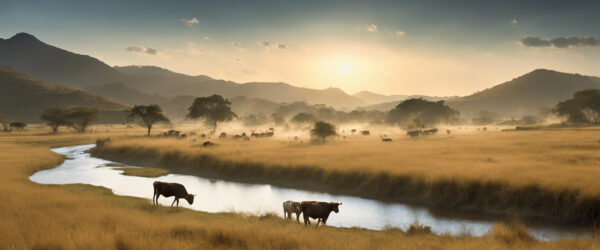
(129, 85)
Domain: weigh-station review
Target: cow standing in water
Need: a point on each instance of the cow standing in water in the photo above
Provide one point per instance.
(318, 210)
(290, 207)
(171, 189)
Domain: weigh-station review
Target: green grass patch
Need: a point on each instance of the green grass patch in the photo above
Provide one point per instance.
(144, 172)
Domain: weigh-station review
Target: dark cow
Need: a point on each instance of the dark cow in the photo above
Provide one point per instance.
(413, 133)
(386, 139)
(171, 189)
(318, 210)
(365, 132)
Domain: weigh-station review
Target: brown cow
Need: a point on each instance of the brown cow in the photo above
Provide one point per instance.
(171, 189)
(318, 210)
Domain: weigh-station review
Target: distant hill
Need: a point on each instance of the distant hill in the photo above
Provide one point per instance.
(27, 54)
(374, 98)
(524, 95)
(23, 98)
(386, 106)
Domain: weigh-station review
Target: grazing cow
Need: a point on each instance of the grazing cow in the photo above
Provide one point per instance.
(365, 132)
(290, 207)
(448, 131)
(413, 133)
(223, 135)
(318, 210)
(171, 189)
(386, 139)
(353, 130)
(208, 144)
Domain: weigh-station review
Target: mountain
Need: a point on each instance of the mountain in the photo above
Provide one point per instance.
(374, 98)
(386, 106)
(525, 95)
(27, 54)
(23, 98)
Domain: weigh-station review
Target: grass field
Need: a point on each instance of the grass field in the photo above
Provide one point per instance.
(550, 174)
(38, 216)
(144, 172)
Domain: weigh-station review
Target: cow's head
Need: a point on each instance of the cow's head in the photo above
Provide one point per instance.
(335, 206)
(190, 198)
(296, 207)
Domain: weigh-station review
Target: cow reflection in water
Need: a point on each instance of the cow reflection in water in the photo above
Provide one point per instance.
(318, 210)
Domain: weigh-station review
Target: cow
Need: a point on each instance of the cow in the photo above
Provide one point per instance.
(365, 132)
(223, 135)
(384, 139)
(290, 207)
(413, 133)
(167, 189)
(318, 210)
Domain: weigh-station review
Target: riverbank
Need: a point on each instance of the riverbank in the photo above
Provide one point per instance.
(38, 216)
(547, 175)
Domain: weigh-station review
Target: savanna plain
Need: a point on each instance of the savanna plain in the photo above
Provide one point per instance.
(542, 162)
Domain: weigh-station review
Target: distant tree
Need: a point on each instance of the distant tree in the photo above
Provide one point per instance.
(583, 107)
(302, 118)
(486, 117)
(429, 113)
(322, 130)
(255, 120)
(150, 115)
(80, 117)
(5, 123)
(55, 117)
(18, 125)
(213, 109)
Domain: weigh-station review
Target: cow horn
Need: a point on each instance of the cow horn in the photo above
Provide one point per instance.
(192, 194)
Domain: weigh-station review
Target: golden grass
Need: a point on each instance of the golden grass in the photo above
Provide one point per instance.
(144, 172)
(544, 173)
(38, 216)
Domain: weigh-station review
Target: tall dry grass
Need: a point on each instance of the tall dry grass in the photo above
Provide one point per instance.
(36, 216)
(549, 174)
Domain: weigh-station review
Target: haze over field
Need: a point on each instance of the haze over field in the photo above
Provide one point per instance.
(387, 124)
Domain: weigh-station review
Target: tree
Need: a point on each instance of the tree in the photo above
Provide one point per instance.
(323, 130)
(55, 117)
(150, 115)
(4, 122)
(301, 118)
(213, 109)
(428, 113)
(583, 107)
(18, 125)
(80, 117)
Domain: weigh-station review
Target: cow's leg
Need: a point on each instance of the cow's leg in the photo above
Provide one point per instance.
(298, 217)
(306, 220)
(284, 213)
(173, 202)
(177, 202)
(318, 221)
(157, 195)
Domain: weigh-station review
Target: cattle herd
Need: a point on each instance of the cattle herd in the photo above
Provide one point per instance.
(309, 209)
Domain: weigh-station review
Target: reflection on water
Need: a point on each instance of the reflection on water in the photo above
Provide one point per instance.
(225, 196)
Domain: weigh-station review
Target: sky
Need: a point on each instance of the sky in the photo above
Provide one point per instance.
(387, 47)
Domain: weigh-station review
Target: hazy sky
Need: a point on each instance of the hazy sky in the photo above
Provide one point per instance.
(389, 47)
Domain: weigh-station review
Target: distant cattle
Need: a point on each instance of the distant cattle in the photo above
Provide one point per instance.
(353, 130)
(223, 135)
(171, 132)
(365, 132)
(243, 136)
(386, 139)
(318, 210)
(167, 189)
(262, 134)
(448, 131)
(413, 133)
(291, 207)
(208, 144)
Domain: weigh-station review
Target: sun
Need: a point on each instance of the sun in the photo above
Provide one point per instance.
(345, 69)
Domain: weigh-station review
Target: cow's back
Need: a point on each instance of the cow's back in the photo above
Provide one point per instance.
(170, 189)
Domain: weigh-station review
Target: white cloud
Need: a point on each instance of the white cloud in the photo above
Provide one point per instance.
(400, 33)
(207, 38)
(371, 27)
(268, 45)
(265, 44)
(281, 46)
(141, 49)
(190, 22)
(237, 45)
(514, 22)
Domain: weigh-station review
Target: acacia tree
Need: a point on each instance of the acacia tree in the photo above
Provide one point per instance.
(150, 115)
(19, 126)
(80, 117)
(55, 117)
(212, 108)
(323, 130)
(429, 113)
(301, 118)
(583, 107)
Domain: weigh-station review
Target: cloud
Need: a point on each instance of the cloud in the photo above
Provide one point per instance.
(141, 49)
(560, 42)
(190, 22)
(400, 33)
(265, 44)
(371, 27)
(207, 38)
(514, 22)
(237, 45)
(281, 46)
